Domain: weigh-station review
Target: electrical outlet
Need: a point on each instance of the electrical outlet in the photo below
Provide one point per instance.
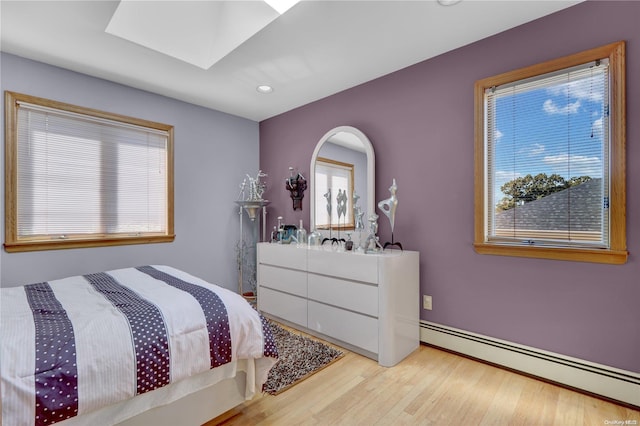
(427, 302)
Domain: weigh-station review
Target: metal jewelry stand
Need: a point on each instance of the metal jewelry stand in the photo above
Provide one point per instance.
(251, 207)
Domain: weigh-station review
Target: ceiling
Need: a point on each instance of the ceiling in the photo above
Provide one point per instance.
(313, 50)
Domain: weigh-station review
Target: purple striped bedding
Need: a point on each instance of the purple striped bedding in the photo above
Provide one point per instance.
(71, 346)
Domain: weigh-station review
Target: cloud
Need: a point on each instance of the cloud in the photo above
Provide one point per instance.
(578, 165)
(586, 89)
(597, 128)
(551, 108)
(589, 89)
(534, 149)
(504, 176)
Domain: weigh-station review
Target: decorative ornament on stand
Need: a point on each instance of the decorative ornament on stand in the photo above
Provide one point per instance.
(341, 210)
(253, 201)
(327, 196)
(388, 207)
(341, 202)
(250, 200)
(296, 185)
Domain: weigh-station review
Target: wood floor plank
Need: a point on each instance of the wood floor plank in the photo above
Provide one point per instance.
(502, 406)
(570, 408)
(430, 387)
(486, 389)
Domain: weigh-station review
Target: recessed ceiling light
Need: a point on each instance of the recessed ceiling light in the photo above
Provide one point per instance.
(448, 2)
(264, 88)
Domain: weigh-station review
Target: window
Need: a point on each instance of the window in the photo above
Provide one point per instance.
(550, 159)
(334, 179)
(82, 178)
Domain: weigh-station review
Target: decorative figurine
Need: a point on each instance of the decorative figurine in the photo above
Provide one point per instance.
(256, 188)
(341, 201)
(327, 196)
(357, 215)
(388, 207)
(296, 185)
(372, 243)
(348, 245)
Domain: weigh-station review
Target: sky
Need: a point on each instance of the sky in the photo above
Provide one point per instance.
(553, 129)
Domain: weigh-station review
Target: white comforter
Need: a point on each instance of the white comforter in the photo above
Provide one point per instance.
(106, 345)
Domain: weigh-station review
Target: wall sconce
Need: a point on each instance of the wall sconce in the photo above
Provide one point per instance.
(296, 185)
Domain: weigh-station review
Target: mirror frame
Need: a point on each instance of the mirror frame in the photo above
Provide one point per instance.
(371, 175)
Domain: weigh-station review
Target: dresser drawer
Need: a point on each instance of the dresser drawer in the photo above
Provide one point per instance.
(287, 255)
(354, 329)
(282, 305)
(351, 266)
(287, 280)
(354, 296)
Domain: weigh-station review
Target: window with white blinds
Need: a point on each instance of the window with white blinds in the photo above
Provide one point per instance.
(550, 153)
(86, 178)
(547, 162)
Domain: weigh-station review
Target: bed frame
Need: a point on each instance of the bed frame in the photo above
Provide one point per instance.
(194, 409)
(197, 408)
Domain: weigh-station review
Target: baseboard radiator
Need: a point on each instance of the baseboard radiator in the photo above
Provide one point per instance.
(609, 382)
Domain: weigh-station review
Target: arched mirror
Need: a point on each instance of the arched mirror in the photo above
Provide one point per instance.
(342, 173)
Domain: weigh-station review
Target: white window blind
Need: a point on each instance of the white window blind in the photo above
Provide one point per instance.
(79, 176)
(547, 158)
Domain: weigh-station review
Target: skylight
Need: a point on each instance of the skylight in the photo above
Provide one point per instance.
(197, 32)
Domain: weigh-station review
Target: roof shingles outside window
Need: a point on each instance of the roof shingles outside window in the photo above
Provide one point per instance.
(578, 208)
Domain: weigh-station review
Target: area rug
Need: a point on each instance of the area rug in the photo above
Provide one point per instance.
(298, 358)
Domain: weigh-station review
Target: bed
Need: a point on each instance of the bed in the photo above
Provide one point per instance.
(145, 345)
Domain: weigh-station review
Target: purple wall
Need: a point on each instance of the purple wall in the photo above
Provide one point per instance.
(420, 122)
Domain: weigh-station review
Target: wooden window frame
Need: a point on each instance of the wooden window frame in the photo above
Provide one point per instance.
(14, 243)
(617, 252)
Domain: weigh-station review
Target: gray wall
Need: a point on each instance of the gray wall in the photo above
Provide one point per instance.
(213, 152)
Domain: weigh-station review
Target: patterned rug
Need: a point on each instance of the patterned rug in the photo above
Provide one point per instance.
(298, 358)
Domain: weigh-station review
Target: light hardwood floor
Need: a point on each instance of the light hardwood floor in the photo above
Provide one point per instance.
(430, 387)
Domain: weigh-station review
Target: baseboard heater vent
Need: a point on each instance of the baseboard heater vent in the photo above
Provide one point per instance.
(609, 382)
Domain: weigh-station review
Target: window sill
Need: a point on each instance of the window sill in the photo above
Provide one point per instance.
(614, 257)
(24, 246)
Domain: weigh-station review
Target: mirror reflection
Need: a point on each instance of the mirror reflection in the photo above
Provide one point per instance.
(332, 174)
(342, 177)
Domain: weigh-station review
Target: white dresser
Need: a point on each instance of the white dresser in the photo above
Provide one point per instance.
(368, 303)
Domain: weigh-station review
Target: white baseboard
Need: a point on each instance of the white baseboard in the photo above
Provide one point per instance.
(609, 382)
